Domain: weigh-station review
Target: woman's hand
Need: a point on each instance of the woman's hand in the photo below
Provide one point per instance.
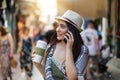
(38, 65)
(70, 40)
(33, 54)
(10, 55)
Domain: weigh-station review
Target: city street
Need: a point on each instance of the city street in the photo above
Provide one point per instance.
(78, 38)
(113, 68)
(18, 75)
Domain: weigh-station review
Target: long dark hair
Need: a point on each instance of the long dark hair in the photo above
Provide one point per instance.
(78, 42)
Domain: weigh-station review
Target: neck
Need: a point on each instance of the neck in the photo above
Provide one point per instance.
(62, 44)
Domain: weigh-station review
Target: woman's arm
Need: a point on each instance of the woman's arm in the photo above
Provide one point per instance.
(40, 66)
(98, 47)
(11, 43)
(71, 69)
(20, 45)
(79, 68)
(32, 44)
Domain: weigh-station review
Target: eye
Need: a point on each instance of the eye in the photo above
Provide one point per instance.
(63, 26)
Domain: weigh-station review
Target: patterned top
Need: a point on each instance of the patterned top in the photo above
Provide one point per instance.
(56, 71)
(4, 51)
(4, 60)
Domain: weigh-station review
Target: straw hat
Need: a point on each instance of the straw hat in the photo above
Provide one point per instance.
(73, 18)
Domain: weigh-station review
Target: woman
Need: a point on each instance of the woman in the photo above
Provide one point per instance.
(6, 51)
(67, 56)
(25, 48)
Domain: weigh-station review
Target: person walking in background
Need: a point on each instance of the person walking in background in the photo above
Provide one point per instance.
(37, 34)
(67, 56)
(25, 49)
(50, 33)
(6, 51)
(90, 38)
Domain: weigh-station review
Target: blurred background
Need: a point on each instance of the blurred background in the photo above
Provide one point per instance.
(15, 14)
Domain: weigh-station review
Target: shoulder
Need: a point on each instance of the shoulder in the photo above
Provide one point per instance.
(84, 32)
(9, 36)
(84, 49)
(94, 30)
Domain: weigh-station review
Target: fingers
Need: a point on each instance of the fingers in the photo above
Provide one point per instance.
(69, 36)
(66, 38)
(33, 54)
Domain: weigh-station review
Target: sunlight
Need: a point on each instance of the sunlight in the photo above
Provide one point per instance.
(48, 9)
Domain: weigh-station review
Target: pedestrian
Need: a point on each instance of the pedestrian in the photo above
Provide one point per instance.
(50, 33)
(37, 34)
(25, 49)
(6, 51)
(67, 56)
(90, 38)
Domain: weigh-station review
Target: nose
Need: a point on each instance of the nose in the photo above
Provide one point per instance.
(58, 29)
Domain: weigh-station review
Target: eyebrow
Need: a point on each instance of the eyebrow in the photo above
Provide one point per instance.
(62, 24)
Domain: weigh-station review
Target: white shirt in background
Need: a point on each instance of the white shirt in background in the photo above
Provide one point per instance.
(89, 36)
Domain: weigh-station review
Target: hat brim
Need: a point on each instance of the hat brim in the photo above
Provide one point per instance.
(62, 18)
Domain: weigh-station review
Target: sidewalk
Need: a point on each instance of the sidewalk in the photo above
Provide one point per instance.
(18, 75)
(114, 68)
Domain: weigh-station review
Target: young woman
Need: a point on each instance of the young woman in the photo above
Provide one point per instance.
(6, 50)
(67, 56)
(25, 49)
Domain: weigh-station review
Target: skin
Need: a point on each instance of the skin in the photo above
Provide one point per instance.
(63, 52)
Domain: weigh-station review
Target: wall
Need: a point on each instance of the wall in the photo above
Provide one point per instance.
(87, 8)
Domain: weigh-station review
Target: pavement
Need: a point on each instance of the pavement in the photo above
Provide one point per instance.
(113, 68)
(17, 74)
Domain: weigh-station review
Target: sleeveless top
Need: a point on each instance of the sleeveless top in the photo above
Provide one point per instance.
(4, 51)
(55, 71)
(27, 46)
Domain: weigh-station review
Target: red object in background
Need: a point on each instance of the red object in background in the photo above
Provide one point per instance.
(118, 33)
(10, 56)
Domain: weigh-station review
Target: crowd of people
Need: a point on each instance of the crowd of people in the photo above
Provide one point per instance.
(70, 54)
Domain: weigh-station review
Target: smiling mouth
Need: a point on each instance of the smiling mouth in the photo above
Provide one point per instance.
(58, 35)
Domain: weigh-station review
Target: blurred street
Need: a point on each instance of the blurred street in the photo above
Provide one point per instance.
(18, 75)
(24, 22)
(114, 68)
(113, 64)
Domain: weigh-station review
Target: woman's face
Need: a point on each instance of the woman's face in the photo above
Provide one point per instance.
(26, 32)
(61, 30)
